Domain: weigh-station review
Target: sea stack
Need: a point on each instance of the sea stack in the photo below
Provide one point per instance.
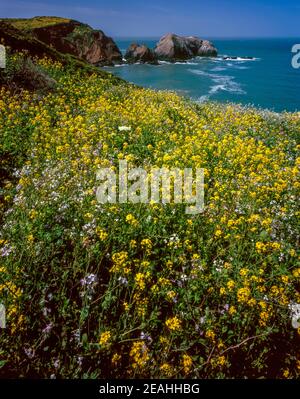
(173, 48)
(140, 53)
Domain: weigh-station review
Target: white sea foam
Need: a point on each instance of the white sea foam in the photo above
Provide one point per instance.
(219, 69)
(216, 59)
(222, 83)
(186, 63)
(177, 63)
(238, 59)
(240, 67)
(164, 62)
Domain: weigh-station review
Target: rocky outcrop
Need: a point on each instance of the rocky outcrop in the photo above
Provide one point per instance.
(18, 40)
(72, 37)
(31, 77)
(207, 49)
(140, 53)
(172, 47)
(80, 40)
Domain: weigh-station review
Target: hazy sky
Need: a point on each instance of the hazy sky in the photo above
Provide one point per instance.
(210, 18)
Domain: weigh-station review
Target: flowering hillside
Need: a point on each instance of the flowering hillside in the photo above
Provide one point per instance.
(145, 290)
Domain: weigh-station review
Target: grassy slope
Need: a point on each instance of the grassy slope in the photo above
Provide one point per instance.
(127, 290)
(28, 24)
(21, 41)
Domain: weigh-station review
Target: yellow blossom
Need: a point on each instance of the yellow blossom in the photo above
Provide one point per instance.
(105, 338)
(173, 324)
(187, 363)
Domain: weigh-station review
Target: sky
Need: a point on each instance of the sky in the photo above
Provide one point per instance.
(153, 18)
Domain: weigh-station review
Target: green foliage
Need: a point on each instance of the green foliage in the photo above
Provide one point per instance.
(28, 24)
(137, 290)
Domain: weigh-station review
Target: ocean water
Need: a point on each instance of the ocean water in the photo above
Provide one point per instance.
(268, 81)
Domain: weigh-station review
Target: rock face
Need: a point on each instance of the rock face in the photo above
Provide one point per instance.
(71, 37)
(30, 77)
(172, 47)
(27, 74)
(140, 53)
(80, 40)
(18, 40)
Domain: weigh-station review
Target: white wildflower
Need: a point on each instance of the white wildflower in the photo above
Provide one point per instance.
(124, 128)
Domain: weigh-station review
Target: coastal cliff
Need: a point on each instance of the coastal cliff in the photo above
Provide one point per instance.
(68, 36)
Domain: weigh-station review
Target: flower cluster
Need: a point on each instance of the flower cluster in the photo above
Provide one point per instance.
(211, 290)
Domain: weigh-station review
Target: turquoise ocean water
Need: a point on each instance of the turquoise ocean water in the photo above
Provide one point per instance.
(268, 81)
